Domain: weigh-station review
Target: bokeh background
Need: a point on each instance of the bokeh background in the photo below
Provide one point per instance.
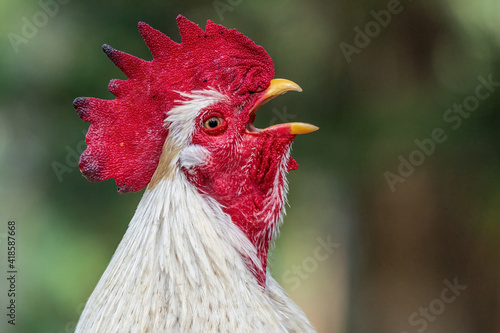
(404, 211)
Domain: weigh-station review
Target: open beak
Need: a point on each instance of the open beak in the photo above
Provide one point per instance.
(276, 88)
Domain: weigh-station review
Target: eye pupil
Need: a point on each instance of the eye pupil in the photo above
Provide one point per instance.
(212, 123)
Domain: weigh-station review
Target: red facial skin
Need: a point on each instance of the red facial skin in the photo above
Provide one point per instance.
(242, 171)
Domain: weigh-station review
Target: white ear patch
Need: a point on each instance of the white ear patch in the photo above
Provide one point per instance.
(193, 155)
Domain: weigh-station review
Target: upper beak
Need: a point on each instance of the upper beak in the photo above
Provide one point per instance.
(276, 88)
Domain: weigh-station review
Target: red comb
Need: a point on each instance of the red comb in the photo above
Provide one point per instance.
(126, 134)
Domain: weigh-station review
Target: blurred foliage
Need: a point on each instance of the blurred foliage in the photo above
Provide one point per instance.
(395, 248)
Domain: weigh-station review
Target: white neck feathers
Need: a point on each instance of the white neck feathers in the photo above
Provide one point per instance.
(180, 268)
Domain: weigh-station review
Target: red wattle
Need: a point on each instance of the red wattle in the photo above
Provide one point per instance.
(292, 164)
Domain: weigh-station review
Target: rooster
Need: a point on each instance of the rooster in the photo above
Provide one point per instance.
(194, 256)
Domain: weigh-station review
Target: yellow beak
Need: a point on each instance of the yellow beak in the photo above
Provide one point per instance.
(276, 88)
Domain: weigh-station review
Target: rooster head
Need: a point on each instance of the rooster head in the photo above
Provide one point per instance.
(191, 111)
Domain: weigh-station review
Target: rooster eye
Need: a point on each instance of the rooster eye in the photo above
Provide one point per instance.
(212, 122)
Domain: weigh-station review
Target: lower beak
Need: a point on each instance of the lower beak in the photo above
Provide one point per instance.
(276, 88)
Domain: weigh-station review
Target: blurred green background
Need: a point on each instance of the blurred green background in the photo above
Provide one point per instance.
(407, 210)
